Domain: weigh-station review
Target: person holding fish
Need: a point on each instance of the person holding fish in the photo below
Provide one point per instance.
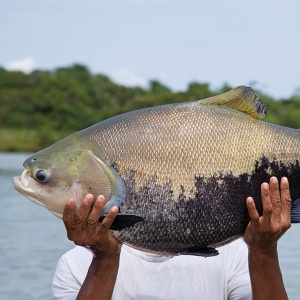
(105, 272)
(174, 181)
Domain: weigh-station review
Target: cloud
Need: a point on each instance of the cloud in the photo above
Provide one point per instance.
(25, 65)
(126, 77)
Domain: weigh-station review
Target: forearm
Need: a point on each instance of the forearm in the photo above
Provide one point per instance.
(265, 274)
(100, 280)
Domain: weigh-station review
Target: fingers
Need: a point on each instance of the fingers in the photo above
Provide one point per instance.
(275, 199)
(286, 199)
(108, 220)
(83, 212)
(93, 218)
(263, 232)
(269, 195)
(84, 229)
(266, 201)
(83, 226)
(68, 217)
(253, 214)
(279, 201)
(277, 204)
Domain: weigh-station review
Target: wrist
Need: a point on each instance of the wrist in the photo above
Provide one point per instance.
(263, 254)
(107, 267)
(99, 253)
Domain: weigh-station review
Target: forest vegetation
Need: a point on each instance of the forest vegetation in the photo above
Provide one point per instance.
(42, 107)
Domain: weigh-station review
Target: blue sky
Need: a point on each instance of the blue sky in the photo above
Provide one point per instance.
(174, 41)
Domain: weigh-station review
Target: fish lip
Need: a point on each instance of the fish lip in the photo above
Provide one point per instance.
(21, 182)
(21, 185)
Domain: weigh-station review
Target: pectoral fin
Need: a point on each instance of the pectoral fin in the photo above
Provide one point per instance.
(205, 252)
(123, 220)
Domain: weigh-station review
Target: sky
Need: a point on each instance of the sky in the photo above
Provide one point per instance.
(177, 42)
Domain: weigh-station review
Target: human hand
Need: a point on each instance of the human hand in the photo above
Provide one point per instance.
(84, 228)
(263, 233)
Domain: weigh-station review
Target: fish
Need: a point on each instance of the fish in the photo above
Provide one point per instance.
(179, 173)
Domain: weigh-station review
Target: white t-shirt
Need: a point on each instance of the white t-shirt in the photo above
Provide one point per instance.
(150, 277)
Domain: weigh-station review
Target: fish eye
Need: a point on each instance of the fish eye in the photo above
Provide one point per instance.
(42, 176)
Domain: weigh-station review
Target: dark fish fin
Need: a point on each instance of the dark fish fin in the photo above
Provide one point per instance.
(241, 98)
(206, 252)
(295, 212)
(123, 220)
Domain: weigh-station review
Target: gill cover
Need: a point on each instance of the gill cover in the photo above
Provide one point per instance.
(98, 178)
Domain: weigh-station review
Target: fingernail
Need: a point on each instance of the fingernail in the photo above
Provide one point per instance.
(100, 198)
(70, 201)
(86, 199)
(274, 179)
(284, 180)
(114, 209)
(265, 186)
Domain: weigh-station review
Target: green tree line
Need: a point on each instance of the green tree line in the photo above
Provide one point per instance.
(42, 107)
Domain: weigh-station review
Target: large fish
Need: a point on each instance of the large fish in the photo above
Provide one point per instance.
(185, 169)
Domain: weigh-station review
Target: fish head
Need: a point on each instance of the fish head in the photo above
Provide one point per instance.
(58, 173)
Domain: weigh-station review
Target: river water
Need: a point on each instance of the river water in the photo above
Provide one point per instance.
(32, 240)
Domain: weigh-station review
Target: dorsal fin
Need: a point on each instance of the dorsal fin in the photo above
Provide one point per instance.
(241, 98)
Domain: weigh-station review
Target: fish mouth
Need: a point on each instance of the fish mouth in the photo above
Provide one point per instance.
(21, 184)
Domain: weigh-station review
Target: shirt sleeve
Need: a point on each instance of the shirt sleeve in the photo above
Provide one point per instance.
(69, 275)
(239, 284)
